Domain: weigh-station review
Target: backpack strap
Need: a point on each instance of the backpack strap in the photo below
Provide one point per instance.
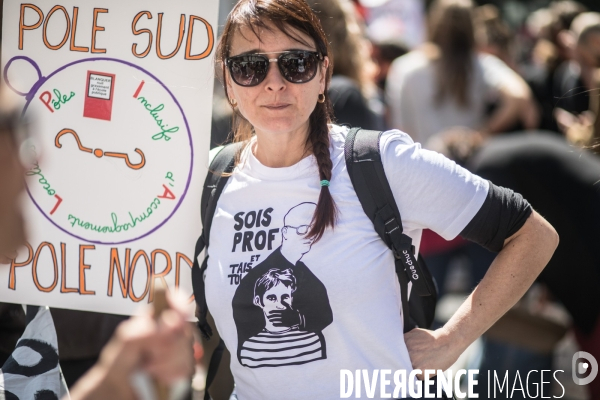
(217, 177)
(364, 165)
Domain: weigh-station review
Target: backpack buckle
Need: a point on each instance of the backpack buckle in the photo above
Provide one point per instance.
(391, 225)
(400, 243)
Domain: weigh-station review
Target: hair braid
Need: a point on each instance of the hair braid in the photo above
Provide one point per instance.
(318, 138)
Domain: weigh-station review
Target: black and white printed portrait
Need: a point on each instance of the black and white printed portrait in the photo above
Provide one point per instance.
(280, 307)
(273, 293)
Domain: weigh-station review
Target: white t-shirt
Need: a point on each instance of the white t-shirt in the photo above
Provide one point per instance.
(294, 313)
(412, 87)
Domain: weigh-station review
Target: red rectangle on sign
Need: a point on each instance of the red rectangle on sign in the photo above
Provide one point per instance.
(100, 87)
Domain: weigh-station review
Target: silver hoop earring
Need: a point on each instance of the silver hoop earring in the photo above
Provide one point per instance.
(321, 98)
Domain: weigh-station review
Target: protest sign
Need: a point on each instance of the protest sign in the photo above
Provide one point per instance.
(120, 93)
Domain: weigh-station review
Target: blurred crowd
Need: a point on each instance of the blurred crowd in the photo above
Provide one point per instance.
(472, 69)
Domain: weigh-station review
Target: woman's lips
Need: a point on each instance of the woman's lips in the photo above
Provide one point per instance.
(278, 106)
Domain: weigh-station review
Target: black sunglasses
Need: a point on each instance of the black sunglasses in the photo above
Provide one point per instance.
(296, 66)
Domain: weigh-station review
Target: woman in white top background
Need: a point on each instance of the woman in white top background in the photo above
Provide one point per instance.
(446, 83)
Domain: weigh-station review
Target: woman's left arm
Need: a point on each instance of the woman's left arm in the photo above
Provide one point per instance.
(522, 258)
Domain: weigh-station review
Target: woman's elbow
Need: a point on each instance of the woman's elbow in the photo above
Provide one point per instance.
(555, 238)
(547, 233)
(536, 235)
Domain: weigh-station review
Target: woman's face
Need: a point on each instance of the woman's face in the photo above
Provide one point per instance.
(275, 105)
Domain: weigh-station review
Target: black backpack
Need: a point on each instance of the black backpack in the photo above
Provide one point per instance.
(363, 162)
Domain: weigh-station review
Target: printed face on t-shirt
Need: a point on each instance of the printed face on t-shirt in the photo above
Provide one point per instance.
(295, 237)
(296, 224)
(277, 298)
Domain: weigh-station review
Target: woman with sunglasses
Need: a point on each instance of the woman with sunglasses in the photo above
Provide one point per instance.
(289, 205)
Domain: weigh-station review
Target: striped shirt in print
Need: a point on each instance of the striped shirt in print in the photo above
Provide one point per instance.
(268, 349)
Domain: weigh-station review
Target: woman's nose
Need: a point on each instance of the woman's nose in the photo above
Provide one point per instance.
(274, 80)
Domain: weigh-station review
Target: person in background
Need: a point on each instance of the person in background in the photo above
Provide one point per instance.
(563, 13)
(162, 348)
(384, 53)
(493, 35)
(583, 130)
(221, 118)
(12, 231)
(352, 91)
(575, 78)
(544, 52)
(12, 234)
(548, 27)
(448, 83)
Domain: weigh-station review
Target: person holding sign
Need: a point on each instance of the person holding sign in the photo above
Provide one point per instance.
(277, 65)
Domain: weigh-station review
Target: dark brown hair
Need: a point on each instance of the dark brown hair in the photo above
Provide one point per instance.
(282, 15)
(451, 29)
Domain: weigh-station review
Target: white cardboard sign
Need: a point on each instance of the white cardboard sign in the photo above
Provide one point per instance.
(121, 95)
